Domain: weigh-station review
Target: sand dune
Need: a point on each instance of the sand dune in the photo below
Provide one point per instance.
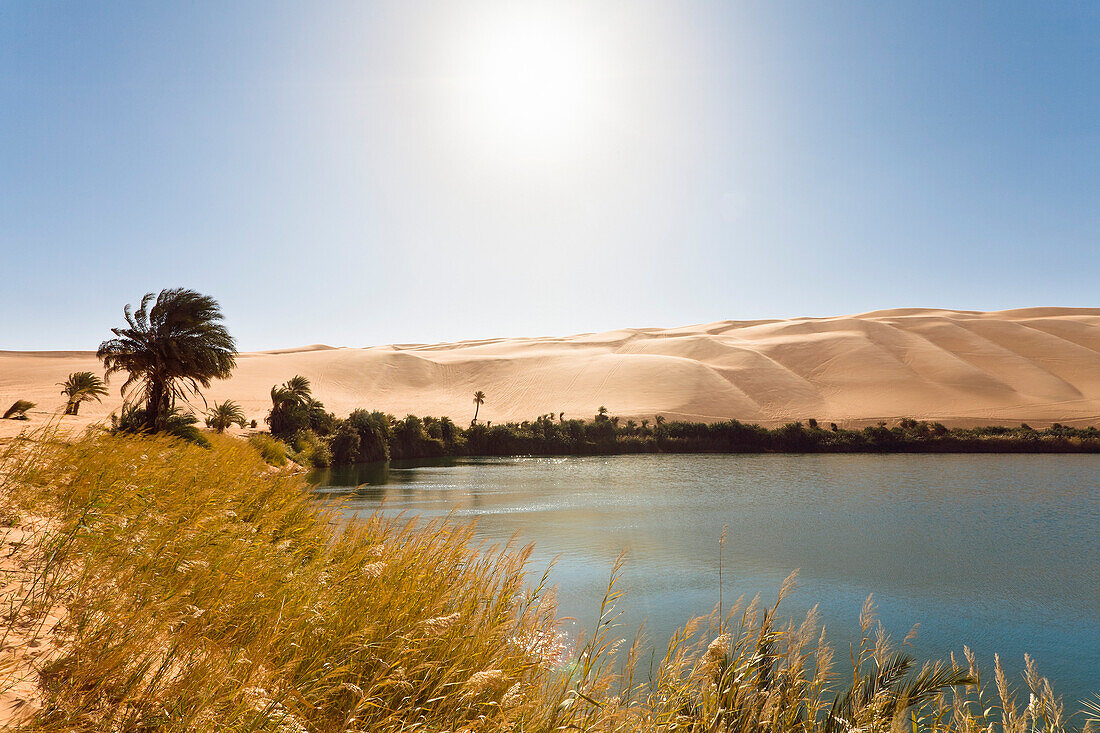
(1038, 365)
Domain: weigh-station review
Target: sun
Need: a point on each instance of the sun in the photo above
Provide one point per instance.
(528, 82)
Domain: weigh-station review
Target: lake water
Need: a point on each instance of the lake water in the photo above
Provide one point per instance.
(1001, 553)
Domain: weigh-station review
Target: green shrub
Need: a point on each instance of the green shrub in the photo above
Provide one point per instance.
(374, 430)
(310, 450)
(136, 420)
(272, 450)
(345, 444)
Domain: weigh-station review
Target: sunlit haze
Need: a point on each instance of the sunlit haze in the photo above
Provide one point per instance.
(367, 173)
(529, 84)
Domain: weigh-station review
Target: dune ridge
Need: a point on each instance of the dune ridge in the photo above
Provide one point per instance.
(1036, 365)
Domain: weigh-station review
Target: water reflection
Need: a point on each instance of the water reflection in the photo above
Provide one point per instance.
(341, 478)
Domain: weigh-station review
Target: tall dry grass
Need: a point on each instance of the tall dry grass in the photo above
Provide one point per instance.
(197, 589)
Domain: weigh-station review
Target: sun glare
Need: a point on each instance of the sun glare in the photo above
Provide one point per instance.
(528, 83)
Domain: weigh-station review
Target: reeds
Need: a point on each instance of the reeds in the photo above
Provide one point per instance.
(190, 589)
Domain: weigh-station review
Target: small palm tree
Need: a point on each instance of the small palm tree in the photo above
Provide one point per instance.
(172, 345)
(18, 410)
(601, 414)
(222, 416)
(479, 400)
(81, 387)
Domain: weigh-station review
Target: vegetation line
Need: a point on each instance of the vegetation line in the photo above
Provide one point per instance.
(302, 429)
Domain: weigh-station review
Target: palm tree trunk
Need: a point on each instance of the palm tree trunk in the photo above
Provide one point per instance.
(157, 407)
(477, 406)
(74, 407)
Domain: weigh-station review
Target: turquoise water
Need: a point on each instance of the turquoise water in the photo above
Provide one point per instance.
(1001, 553)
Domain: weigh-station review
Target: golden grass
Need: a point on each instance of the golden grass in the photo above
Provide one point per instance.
(198, 590)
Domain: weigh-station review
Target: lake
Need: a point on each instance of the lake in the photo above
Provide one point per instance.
(998, 552)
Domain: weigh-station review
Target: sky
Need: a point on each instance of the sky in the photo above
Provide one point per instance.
(365, 173)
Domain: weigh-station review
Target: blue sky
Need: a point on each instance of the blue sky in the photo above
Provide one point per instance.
(368, 173)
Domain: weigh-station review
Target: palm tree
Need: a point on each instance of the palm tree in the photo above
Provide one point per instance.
(601, 414)
(18, 410)
(222, 416)
(299, 389)
(296, 391)
(479, 400)
(170, 349)
(81, 387)
(293, 408)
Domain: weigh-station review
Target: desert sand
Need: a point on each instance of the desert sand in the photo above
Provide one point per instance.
(29, 641)
(1036, 365)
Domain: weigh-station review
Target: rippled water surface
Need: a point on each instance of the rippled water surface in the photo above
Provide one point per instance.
(998, 552)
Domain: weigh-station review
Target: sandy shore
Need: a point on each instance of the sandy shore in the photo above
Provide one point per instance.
(1038, 365)
(28, 643)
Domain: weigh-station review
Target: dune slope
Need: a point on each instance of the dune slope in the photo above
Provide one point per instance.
(1038, 365)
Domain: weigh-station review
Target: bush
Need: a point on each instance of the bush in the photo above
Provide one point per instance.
(272, 450)
(310, 450)
(345, 444)
(382, 437)
(374, 433)
(135, 420)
